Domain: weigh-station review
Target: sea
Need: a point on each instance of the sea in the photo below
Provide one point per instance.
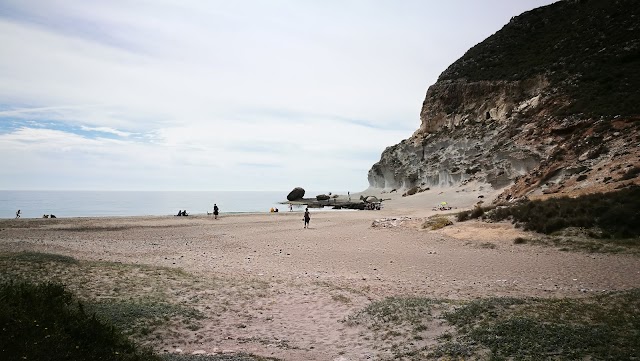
(35, 204)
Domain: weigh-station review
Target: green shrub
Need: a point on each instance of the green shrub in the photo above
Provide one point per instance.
(436, 222)
(616, 213)
(46, 322)
(463, 216)
(475, 213)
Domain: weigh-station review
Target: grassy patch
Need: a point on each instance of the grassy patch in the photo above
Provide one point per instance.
(341, 298)
(602, 327)
(400, 324)
(221, 357)
(605, 327)
(144, 316)
(37, 257)
(394, 310)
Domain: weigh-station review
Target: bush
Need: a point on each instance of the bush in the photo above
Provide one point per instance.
(616, 213)
(463, 216)
(46, 322)
(475, 213)
(631, 173)
(436, 222)
(520, 240)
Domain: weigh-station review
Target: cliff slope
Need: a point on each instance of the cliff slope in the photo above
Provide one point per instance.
(550, 104)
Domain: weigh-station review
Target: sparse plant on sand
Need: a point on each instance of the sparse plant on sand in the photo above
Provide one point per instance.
(436, 222)
(602, 327)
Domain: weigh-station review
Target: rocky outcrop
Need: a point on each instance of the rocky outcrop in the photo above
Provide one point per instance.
(296, 193)
(526, 130)
(466, 133)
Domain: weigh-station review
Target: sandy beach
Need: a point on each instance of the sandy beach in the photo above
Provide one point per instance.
(270, 287)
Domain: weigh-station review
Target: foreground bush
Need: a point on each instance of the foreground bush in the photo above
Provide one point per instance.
(46, 322)
(616, 213)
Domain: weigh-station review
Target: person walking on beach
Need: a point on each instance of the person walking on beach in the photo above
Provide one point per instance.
(307, 218)
(18, 214)
(216, 210)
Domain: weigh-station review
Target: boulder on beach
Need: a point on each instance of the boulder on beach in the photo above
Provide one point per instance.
(371, 199)
(296, 193)
(322, 197)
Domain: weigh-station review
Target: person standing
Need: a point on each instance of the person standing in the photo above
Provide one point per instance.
(216, 210)
(307, 218)
(18, 214)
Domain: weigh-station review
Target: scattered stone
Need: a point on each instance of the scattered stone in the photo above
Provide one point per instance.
(389, 222)
(199, 352)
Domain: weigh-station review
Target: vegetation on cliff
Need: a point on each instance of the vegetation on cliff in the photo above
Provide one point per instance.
(588, 49)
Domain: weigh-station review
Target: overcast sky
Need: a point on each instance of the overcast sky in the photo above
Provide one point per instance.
(220, 95)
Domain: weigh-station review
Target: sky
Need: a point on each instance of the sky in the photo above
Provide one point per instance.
(212, 95)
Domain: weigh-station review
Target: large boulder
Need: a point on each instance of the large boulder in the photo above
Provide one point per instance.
(322, 197)
(296, 193)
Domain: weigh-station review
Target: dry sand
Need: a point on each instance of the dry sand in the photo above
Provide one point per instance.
(308, 281)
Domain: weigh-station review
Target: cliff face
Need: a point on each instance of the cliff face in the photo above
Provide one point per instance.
(536, 129)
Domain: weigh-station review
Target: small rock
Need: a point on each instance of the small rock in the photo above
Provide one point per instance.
(178, 350)
(199, 352)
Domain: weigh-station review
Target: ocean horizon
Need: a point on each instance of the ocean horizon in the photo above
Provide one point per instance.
(35, 204)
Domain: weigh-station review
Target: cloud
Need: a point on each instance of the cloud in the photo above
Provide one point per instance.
(105, 130)
(220, 95)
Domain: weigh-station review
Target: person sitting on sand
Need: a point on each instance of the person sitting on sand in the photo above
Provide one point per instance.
(179, 213)
(184, 213)
(307, 218)
(216, 210)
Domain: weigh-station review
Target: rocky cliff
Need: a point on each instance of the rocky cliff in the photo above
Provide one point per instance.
(550, 104)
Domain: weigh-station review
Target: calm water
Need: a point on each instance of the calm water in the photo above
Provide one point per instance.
(34, 204)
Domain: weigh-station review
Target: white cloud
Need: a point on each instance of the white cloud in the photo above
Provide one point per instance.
(203, 95)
